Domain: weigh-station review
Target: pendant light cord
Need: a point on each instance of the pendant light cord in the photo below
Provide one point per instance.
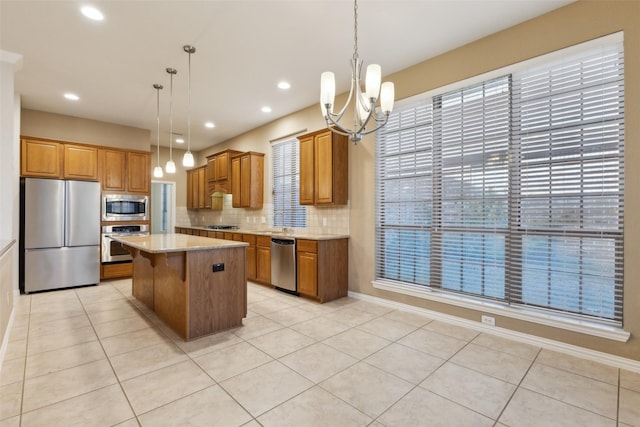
(171, 115)
(189, 110)
(158, 87)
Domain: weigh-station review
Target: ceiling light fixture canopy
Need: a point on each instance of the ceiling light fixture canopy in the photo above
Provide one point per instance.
(157, 171)
(170, 167)
(364, 102)
(187, 160)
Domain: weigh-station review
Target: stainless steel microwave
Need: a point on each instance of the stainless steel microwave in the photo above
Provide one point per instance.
(125, 207)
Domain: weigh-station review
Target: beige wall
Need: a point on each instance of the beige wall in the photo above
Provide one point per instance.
(75, 129)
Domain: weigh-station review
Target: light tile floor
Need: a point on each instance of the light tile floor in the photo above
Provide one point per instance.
(95, 357)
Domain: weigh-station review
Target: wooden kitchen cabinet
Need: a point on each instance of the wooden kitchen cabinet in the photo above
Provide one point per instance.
(197, 193)
(218, 172)
(202, 189)
(323, 268)
(307, 267)
(263, 259)
(247, 180)
(80, 162)
(113, 167)
(124, 171)
(323, 168)
(138, 172)
(192, 189)
(250, 255)
(41, 158)
(52, 159)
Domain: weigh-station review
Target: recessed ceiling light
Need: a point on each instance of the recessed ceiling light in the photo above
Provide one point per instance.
(71, 96)
(92, 13)
(266, 109)
(210, 125)
(284, 85)
(179, 141)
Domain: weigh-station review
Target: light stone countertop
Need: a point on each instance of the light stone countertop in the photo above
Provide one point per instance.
(163, 243)
(298, 234)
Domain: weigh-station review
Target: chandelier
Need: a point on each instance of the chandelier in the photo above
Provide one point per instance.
(363, 102)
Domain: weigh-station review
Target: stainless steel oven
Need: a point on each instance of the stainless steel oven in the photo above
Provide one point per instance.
(112, 251)
(125, 207)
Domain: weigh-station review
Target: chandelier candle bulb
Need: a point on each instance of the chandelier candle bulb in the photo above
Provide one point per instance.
(387, 94)
(327, 90)
(373, 79)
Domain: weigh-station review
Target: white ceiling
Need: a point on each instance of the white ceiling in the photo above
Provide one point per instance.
(244, 48)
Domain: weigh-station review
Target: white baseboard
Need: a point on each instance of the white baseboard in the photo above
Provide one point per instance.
(570, 349)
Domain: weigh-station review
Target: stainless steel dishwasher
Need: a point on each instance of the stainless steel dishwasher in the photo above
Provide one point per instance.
(283, 263)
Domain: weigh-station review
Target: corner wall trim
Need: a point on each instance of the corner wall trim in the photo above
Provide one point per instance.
(570, 349)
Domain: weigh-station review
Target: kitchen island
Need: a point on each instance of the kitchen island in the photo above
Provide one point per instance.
(197, 285)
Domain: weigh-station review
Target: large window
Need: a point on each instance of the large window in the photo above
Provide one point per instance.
(287, 211)
(511, 189)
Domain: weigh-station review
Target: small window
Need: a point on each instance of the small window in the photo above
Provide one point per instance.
(287, 211)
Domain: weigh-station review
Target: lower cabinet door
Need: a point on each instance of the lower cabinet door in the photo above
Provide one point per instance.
(308, 273)
(263, 264)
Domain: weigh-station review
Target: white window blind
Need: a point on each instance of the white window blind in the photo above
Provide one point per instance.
(567, 216)
(511, 189)
(404, 198)
(287, 211)
(472, 129)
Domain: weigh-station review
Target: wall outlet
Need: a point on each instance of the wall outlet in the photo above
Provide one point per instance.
(264, 220)
(488, 320)
(324, 222)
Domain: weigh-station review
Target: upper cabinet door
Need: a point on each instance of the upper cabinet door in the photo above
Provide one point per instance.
(80, 162)
(306, 171)
(222, 166)
(113, 170)
(138, 172)
(41, 158)
(323, 169)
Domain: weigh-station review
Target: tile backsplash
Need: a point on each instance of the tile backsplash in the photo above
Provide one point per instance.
(320, 220)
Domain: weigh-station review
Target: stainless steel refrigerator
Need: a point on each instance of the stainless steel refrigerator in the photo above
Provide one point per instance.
(60, 234)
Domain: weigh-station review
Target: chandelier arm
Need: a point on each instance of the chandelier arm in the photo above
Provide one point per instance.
(342, 129)
(378, 126)
(354, 75)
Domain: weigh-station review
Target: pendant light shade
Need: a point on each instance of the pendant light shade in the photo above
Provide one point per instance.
(170, 167)
(157, 171)
(187, 160)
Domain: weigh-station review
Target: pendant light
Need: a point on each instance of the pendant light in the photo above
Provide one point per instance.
(157, 171)
(170, 167)
(187, 160)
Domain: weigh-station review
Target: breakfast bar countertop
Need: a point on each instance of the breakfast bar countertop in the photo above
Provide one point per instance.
(163, 243)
